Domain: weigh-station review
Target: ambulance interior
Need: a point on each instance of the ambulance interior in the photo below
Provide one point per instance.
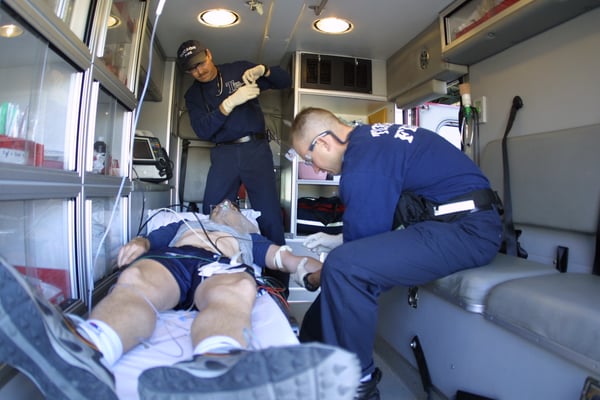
(515, 329)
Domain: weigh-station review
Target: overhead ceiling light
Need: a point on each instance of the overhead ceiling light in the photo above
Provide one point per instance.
(113, 21)
(10, 30)
(333, 25)
(218, 18)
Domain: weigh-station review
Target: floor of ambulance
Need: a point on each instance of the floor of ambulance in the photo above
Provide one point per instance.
(392, 387)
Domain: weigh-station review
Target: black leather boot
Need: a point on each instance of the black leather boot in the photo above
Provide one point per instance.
(368, 390)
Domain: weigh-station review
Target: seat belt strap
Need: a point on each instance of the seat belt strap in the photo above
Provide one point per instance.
(509, 227)
(596, 269)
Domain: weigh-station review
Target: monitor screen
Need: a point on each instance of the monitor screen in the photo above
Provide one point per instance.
(142, 150)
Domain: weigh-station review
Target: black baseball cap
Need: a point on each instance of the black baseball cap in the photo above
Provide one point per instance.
(190, 54)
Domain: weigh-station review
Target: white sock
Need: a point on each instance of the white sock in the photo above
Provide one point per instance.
(104, 337)
(217, 344)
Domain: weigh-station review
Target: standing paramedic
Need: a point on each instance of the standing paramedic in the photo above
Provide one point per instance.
(417, 209)
(224, 109)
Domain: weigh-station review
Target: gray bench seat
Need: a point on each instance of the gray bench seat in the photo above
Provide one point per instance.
(558, 311)
(469, 288)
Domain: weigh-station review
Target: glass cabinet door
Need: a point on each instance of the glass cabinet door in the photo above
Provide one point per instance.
(107, 235)
(75, 13)
(122, 33)
(39, 101)
(111, 122)
(36, 236)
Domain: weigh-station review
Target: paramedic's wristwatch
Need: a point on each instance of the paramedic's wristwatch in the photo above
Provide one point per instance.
(307, 285)
(267, 70)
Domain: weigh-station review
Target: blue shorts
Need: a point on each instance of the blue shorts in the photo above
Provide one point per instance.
(183, 263)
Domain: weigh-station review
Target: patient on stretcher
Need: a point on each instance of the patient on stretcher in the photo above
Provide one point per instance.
(205, 264)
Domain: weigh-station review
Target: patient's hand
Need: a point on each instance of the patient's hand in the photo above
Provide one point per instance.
(132, 250)
(308, 274)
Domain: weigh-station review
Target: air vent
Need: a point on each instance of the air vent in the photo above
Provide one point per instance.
(336, 73)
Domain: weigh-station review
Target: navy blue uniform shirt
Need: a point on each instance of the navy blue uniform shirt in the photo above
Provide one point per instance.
(384, 160)
(203, 100)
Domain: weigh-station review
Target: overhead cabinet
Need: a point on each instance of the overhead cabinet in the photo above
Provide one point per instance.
(473, 30)
(417, 73)
(156, 68)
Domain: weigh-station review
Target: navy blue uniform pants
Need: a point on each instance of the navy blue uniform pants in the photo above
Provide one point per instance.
(249, 163)
(357, 272)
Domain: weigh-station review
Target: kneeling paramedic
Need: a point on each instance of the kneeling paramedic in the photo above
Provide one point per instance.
(417, 209)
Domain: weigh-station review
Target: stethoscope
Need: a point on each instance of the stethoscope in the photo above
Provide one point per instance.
(209, 107)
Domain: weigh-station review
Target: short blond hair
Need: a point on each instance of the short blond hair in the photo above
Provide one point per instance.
(311, 121)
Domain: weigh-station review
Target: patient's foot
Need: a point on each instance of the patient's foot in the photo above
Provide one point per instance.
(35, 339)
(308, 371)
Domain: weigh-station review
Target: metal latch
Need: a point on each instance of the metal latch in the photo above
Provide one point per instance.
(413, 296)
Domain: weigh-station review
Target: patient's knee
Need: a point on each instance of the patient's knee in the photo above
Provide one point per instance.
(239, 288)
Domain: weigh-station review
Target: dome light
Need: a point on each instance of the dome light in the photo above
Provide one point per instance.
(218, 18)
(333, 25)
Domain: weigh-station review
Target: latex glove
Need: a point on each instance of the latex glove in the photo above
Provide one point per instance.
(313, 279)
(240, 96)
(252, 74)
(323, 241)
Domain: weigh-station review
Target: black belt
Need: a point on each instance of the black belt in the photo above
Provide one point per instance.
(412, 208)
(478, 200)
(245, 139)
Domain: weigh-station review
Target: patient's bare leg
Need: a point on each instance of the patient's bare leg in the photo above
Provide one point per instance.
(142, 290)
(225, 303)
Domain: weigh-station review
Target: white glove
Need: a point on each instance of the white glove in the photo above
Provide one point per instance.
(298, 276)
(252, 74)
(323, 241)
(240, 96)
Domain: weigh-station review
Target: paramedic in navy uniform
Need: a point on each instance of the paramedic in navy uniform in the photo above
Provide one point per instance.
(379, 163)
(224, 110)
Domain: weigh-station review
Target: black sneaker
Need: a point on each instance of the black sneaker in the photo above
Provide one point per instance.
(368, 390)
(35, 339)
(310, 371)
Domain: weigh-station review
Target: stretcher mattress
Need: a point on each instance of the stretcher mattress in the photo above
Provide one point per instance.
(171, 342)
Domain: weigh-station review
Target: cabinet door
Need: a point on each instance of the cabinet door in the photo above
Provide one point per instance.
(74, 13)
(122, 39)
(105, 236)
(39, 101)
(37, 236)
(108, 150)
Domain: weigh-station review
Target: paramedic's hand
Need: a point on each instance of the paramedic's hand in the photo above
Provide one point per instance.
(240, 96)
(132, 250)
(252, 74)
(319, 241)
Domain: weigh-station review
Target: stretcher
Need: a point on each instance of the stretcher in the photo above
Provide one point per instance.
(171, 342)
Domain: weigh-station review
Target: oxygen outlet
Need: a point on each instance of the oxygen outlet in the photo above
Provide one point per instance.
(481, 105)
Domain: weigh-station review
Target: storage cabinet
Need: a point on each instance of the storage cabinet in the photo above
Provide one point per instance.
(67, 82)
(351, 106)
(473, 30)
